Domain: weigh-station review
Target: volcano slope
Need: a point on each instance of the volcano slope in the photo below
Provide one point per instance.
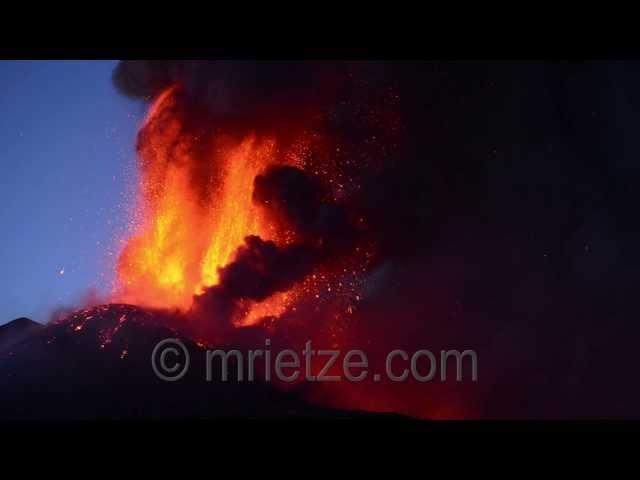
(95, 364)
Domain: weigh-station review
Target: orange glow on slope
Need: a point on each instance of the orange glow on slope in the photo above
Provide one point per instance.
(185, 236)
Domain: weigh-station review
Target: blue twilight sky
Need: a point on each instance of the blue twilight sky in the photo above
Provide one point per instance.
(67, 154)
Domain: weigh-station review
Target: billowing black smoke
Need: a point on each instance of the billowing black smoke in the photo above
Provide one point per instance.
(261, 268)
(302, 204)
(500, 198)
(229, 89)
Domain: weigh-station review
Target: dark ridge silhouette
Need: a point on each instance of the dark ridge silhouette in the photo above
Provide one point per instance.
(17, 330)
(96, 364)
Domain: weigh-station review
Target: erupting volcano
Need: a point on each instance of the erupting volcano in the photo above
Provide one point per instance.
(270, 200)
(206, 188)
(372, 206)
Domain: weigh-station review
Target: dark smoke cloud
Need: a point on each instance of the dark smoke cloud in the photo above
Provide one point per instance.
(505, 219)
(260, 269)
(229, 89)
(145, 78)
(304, 204)
(291, 191)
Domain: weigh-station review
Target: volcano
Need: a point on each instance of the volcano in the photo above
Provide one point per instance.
(95, 363)
(379, 207)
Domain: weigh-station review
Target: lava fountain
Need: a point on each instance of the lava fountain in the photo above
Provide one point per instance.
(250, 226)
(195, 201)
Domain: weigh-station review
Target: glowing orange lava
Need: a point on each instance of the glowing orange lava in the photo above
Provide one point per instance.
(184, 236)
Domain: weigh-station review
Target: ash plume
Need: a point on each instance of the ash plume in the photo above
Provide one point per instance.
(499, 198)
(228, 89)
(260, 269)
(305, 205)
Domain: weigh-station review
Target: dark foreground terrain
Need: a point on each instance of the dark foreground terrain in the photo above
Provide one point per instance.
(96, 365)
